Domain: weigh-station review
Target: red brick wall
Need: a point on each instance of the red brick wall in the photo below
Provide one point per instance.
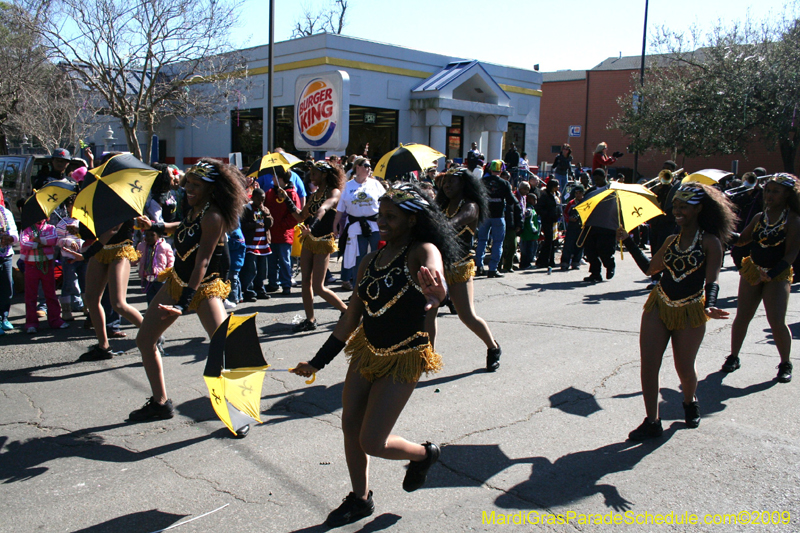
(567, 103)
(562, 105)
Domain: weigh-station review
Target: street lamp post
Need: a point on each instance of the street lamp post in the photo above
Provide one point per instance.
(641, 84)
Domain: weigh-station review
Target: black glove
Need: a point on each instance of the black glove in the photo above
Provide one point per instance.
(617, 154)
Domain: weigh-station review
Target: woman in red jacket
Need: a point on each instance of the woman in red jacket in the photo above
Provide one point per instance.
(601, 159)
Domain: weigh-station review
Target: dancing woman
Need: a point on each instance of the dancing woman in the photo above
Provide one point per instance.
(215, 195)
(388, 348)
(318, 238)
(463, 200)
(684, 299)
(767, 273)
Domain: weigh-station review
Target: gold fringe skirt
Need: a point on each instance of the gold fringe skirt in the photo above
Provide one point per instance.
(123, 250)
(460, 272)
(405, 364)
(751, 273)
(678, 314)
(213, 288)
(320, 245)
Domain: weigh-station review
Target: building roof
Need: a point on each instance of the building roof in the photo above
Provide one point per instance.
(635, 62)
(563, 75)
(445, 76)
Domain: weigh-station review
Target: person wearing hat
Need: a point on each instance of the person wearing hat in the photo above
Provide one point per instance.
(59, 161)
(500, 199)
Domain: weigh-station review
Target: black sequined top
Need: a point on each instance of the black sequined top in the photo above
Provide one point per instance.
(394, 306)
(186, 244)
(325, 225)
(685, 272)
(769, 241)
(125, 233)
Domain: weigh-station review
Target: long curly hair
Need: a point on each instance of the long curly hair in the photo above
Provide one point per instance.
(333, 175)
(228, 193)
(718, 216)
(473, 191)
(433, 227)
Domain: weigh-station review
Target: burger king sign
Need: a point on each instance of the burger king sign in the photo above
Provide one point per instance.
(322, 111)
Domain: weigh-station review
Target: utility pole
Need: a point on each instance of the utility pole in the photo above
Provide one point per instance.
(641, 84)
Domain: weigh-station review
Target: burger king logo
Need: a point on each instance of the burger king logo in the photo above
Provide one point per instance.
(315, 112)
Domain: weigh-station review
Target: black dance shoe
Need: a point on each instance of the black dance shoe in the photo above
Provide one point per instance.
(493, 358)
(691, 413)
(731, 363)
(352, 509)
(648, 430)
(784, 372)
(417, 471)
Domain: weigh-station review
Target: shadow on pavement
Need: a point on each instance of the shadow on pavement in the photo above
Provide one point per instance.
(619, 295)
(570, 478)
(152, 520)
(27, 375)
(575, 402)
(554, 286)
(21, 460)
(303, 403)
(379, 523)
(447, 379)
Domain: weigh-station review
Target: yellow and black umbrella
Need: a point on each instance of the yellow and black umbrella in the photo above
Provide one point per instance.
(404, 159)
(621, 204)
(43, 202)
(117, 191)
(709, 176)
(267, 163)
(234, 373)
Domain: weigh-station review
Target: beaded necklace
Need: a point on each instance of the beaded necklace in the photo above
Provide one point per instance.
(372, 282)
(447, 211)
(188, 229)
(765, 230)
(316, 201)
(685, 261)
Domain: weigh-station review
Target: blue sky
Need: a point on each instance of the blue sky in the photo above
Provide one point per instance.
(575, 34)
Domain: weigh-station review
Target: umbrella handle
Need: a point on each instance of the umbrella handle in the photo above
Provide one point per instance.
(619, 216)
(309, 381)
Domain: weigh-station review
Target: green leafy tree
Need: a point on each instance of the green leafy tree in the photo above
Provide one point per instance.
(720, 92)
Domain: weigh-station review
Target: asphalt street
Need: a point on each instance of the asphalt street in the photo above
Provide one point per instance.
(546, 434)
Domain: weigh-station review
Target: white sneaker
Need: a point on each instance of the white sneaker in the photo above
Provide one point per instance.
(31, 330)
(228, 304)
(64, 325)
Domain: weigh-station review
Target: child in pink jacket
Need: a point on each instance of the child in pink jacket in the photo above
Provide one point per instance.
(37, 248)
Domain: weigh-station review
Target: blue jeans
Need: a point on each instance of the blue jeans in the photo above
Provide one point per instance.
(253, 274)
(349, 274)
(497, 228)
(6, 285)
(280, 264)
(152, 289)
(73, 284)
(527, 251)
(236, 287)
(572, 254)
(562, 183)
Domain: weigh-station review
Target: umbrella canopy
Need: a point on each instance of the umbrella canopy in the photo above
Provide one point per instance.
(43, 202)
(234, 372)
(620, 205)
(267, 163)
(406, 158)
(709, 176)
(117, 191)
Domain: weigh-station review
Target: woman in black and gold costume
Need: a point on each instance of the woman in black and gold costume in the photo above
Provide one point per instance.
(684, 299)
(110, 268)
(463, 200)
(767, 273)
(388, 347)
(215, 194)
(319, 241)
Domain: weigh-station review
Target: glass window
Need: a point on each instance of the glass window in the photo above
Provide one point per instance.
(247, 133)
(515, 134)
(10, 175)
(455, 138)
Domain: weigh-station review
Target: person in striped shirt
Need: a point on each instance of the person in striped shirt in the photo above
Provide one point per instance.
(256, 221)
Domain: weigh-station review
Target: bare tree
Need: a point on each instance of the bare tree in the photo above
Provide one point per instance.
(22, 64)
(52, 110)
(327, 20)
(146, 60)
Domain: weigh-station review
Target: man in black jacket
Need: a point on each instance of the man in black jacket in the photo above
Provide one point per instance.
(500, 196)
(599, 244)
